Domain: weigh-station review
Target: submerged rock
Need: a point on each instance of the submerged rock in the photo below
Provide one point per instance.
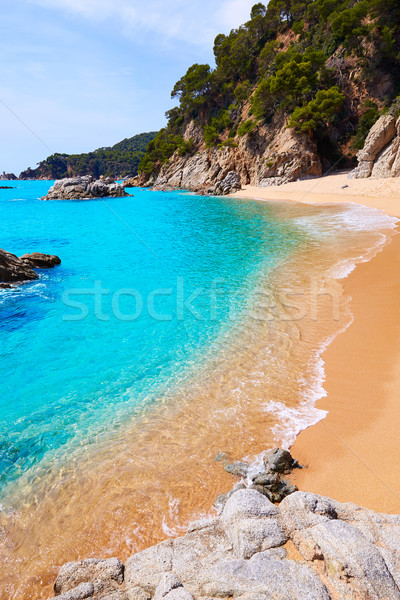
(84, 188)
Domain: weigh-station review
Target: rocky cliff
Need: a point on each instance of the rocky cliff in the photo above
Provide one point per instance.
(272, 154)
(380, 156)
(293, 93)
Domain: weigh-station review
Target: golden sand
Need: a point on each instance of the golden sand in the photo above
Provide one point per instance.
(354, 453)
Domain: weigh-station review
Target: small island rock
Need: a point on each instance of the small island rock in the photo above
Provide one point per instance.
(85, 188)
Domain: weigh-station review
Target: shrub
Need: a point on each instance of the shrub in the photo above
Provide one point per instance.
(246, 127)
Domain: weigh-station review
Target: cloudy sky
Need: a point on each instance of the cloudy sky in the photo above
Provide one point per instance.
(79, 74)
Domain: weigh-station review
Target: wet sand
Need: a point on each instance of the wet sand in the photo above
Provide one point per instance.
(354, 453)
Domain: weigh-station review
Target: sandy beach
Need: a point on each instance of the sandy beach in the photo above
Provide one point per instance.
(353, 454)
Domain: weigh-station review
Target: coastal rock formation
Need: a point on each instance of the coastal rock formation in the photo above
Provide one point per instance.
(344, 552)
(84, 188)
(380, 156)
(8, 176)
(14, 270)
(270, 155)
(39, 260)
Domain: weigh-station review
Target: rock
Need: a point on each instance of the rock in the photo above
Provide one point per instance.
(277, 494)
(82, 591)
(102, 573)
(83, 188)
(131, 182)
(237, 468)
(14, 270)
(349, 553)
(301, 510)
(228, 185)
(274, 154)
(8, 176)
(379, 136)
(354, 566)
(39, 260)
(168, 582)
(222, 499)
(179, 594)
(265, 576)
(380, 155)
(280, 461)
(251, 523)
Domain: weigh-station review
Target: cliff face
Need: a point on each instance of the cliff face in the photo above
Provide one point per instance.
(272, 154)
(294, 90)
(380, 156)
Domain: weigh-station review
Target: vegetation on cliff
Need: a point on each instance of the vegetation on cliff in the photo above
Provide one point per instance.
(118, 161)
(328, 67)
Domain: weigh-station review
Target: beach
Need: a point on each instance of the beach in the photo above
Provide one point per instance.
(121, 491)
(352, 455)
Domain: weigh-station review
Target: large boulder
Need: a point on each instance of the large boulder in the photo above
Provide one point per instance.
(252, 523)
(84, 188)
(102, 576)
(380, 155)
(14, 270)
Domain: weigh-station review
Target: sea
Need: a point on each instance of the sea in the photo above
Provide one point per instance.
(177, 329)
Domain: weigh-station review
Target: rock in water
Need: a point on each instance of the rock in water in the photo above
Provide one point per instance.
(14, 270)
(350, 550)
(280, 461)
(39, 260)
(85, 188)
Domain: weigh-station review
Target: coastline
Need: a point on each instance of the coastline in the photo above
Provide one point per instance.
(352, 453)
(383, 194)
(71, 523)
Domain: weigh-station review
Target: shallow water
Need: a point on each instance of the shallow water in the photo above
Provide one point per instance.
(110, 423)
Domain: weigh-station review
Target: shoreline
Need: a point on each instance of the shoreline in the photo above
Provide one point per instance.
(352, 453)
(383, 194)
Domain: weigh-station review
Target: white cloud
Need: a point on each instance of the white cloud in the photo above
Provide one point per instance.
(196, 22)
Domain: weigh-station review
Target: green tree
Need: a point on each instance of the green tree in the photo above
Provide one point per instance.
(319, 112)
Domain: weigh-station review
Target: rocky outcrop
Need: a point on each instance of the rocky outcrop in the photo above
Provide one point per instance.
(380, 156)
(269, 155)
(14, 270)
(8, 176)
(84, 188)
(345, 552)
(39, 260)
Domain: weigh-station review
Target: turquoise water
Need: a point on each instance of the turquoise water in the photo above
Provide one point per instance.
(176, 272)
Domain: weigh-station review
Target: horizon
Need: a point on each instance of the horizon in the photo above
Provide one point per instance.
(97, 74)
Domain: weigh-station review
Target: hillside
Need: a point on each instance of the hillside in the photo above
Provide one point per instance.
(117, 161)
(293, 94)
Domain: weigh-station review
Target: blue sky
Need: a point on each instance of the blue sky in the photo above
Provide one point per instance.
(82, 74)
